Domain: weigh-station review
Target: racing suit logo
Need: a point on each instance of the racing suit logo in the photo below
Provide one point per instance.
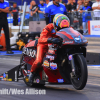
(61, 9)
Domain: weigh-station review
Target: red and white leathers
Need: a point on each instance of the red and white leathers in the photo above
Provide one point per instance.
(42, 46)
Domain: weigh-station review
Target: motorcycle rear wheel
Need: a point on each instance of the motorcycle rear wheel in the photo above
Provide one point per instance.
(22, 71)
(25, 77)
(81, 72)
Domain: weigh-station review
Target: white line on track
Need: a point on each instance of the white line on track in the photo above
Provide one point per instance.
(9, 59)
(93, 84)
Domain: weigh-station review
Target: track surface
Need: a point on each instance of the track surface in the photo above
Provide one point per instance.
(53, 92)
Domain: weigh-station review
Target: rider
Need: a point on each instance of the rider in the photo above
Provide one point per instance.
(48, 35)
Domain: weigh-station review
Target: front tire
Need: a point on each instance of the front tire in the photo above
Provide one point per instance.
(81, 72)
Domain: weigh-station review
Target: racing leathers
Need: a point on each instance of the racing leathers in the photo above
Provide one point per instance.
(42, 46)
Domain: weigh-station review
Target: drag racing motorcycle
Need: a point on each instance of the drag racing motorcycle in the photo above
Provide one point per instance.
(62, 64)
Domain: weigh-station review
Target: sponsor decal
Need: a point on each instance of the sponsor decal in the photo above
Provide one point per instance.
(51, 51)
(52, 10)
(29, 52)
(37, 80)
(50, 57)
(60, 80)
(5, 5)
(70, 57)
(77, 39)
(68, 42)
(46, 63)
(61, 9)
(53, 66)
(95, 27)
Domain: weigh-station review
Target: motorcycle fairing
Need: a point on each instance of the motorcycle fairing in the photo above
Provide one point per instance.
(71, 36)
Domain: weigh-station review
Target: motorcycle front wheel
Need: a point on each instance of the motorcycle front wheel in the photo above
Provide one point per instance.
(80, 80)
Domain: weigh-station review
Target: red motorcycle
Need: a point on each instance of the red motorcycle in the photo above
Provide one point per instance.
(62, 64)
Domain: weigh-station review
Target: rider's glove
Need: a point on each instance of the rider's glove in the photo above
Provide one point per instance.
(49, 40)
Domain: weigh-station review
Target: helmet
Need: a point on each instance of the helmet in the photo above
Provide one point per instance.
(60, 21)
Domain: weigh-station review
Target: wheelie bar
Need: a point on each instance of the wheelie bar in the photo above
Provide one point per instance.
(12, 74)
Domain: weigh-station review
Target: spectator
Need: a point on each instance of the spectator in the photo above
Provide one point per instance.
(33, 7)
(53, 8)
(47, 2)
(34, 10)
(71, 8)
(79, 7)
(14, 14)
(63, 2)
(85, 15)
(96, 9)
(42, 6)
(90, 3)
(4, 9)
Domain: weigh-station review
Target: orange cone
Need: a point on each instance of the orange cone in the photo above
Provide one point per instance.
(2, 40)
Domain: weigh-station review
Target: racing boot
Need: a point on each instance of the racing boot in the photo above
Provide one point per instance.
(31, 76)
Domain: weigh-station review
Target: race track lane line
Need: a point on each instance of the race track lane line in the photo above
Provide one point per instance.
(9, 59)
(93, 84)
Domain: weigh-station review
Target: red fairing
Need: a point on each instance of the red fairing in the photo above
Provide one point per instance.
(53, 75)
(71, 37)
(29, 60)
(30, 44)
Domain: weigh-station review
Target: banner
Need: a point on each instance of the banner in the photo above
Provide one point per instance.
(94, 27)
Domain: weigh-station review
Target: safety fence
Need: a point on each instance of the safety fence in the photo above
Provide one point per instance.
(37, 22)
(78, 20)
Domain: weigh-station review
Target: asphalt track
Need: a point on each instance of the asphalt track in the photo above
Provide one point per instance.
(53, 92)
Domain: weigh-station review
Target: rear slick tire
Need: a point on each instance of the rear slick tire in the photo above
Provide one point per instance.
(81, 72)
(27, 83)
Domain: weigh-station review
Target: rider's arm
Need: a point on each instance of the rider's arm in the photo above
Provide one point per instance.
(45, 33)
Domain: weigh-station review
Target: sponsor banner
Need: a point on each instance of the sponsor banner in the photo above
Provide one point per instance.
(94, 27)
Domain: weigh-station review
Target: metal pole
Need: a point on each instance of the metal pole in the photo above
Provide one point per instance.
(23, 17)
